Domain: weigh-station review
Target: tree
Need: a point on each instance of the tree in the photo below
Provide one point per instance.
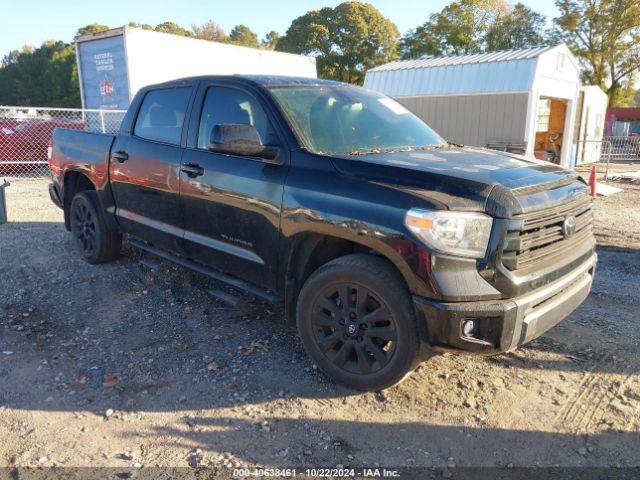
(44, 76)
(175, 29)
(143, 26)
(243, 35)
(459, 28)
(347, 40)
(209, 30)
(520, 27)
(270, 40)
(605, 36)
(626, 95)
(420, 42)
(91, 28)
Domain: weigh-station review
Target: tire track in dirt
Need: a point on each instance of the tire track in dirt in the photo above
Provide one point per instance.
(604, 381)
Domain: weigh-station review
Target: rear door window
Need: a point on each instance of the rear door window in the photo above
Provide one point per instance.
(162, 114)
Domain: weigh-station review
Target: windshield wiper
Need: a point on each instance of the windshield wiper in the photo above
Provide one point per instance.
(368, 151)
(408, 148)
(431, 147)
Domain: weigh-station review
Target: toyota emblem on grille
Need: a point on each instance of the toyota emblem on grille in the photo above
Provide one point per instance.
(569, 226)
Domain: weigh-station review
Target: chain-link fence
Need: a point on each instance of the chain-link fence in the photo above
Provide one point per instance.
(625, 149)
(608, 150)
(621, 150)
(26, 133)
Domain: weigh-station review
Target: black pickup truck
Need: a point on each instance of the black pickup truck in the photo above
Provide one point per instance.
(383, 242)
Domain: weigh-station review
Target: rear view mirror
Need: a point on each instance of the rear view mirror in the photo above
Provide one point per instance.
(241, 140)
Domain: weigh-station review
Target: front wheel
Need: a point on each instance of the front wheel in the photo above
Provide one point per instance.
(357, 323)
(95, 242)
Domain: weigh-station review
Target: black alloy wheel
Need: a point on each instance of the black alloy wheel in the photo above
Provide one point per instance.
(356, 320)
(354, 328)
(83, 227)
(91, 236)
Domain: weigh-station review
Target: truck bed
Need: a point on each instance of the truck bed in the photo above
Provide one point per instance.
(82, 151)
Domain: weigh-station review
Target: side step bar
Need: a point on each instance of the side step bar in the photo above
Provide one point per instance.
(150, 264)
(209, 272)
(224, 297)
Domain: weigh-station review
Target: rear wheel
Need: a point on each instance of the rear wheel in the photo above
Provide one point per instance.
(357, 323)
(95, 242)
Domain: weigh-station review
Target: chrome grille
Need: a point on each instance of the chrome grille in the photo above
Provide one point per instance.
(535, 236)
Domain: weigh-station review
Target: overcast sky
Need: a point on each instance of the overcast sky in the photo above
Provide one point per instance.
(30, 22)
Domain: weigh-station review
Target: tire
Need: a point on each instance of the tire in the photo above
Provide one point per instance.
(95, 242)
(368, 344)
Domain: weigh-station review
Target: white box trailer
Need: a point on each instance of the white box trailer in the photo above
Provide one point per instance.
(113, 65)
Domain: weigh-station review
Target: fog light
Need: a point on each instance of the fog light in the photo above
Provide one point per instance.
(468, 328)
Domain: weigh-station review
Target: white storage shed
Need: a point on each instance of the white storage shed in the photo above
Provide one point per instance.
(589, 129)
(523, 101)
(113, 65)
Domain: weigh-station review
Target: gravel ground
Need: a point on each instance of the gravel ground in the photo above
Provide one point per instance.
(131, 364)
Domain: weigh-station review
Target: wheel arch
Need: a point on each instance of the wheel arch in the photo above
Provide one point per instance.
(309, 251)
(73, 183)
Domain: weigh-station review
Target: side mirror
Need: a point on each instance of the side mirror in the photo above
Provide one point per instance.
(241, 140)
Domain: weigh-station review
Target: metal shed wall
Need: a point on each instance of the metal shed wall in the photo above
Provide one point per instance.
(474, 119)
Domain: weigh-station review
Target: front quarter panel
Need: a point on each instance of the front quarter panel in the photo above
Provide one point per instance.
(317, 199)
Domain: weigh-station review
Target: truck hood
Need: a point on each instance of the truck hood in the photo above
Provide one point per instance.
(464, 178)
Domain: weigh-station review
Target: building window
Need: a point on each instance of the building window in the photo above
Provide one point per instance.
(544, 113)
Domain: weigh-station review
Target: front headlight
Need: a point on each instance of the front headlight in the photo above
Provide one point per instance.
(462, 234)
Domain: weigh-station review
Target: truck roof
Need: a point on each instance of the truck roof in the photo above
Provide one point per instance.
(259, 80)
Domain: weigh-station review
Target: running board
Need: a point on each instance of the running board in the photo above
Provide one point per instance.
(148, 263)
(209, 272)
(224, 297)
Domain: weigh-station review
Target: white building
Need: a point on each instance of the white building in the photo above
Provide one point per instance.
(590, 120)
(519, 100)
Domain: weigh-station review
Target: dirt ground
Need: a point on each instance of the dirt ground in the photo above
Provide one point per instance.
(132, 364)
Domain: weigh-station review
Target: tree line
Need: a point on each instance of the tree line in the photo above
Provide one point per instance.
(353, 37)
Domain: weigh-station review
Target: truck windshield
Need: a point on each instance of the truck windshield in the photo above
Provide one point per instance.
(335, 120)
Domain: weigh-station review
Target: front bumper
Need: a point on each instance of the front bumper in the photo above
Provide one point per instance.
(503, 325)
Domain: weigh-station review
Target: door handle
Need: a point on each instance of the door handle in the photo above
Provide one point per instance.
(192, 169)
(121, 156)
